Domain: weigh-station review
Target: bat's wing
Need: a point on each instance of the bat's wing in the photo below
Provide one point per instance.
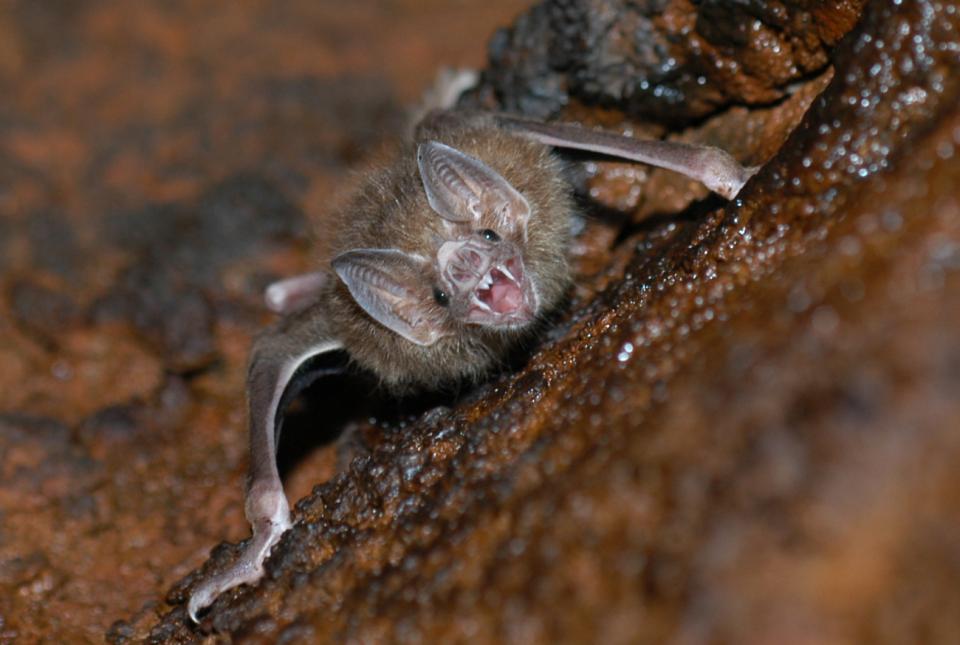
(284, 360)
(713, 167)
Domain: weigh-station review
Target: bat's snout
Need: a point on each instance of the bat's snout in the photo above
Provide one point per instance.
(491, 280)
(500, 291)
(504, 296)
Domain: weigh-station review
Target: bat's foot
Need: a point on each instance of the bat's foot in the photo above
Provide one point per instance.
(449, 85)
(269, 516)
(443, 95)
(294, 294)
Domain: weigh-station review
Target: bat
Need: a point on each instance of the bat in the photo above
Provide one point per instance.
(444, 260)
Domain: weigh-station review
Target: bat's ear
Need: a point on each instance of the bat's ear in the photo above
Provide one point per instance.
(389, 285)
(461, 188)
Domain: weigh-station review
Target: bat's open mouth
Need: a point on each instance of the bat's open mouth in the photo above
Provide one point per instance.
(501, 290)
(492, 277)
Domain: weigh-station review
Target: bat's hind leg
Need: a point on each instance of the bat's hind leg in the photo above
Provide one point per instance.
(443, 95)
(296, 293)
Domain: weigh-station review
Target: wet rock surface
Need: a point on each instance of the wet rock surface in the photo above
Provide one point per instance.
(160, 163)
(671, 61)
(744, 427)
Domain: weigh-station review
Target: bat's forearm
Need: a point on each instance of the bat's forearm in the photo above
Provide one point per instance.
(275, 373)
(713, 167)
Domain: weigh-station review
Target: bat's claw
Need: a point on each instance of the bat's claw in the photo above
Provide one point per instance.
(249, 566)
(722, 174)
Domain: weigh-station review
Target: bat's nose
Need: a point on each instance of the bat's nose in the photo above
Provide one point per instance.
(474, 260)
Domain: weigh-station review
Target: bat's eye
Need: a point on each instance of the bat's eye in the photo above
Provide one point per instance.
(441, 297)
(489, 235)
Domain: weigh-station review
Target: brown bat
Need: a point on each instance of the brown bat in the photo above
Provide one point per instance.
(441, 263)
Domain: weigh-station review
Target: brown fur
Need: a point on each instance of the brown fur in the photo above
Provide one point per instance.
(390, 210)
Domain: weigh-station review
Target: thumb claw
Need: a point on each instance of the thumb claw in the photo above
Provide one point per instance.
(247, 569)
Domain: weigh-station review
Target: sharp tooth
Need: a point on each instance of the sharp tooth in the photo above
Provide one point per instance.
(486, 282)
(506, 272)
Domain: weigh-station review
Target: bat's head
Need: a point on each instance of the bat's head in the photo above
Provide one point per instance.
(476, 275)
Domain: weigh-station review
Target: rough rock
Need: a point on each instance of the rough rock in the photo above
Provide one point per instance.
(744, 431)
(159, 164)
(744, 427)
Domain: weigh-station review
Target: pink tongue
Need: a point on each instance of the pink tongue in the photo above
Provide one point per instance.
(505, 296)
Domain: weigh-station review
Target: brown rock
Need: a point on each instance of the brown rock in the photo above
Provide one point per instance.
(747, 434)
(156, 162)
(744, 428)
